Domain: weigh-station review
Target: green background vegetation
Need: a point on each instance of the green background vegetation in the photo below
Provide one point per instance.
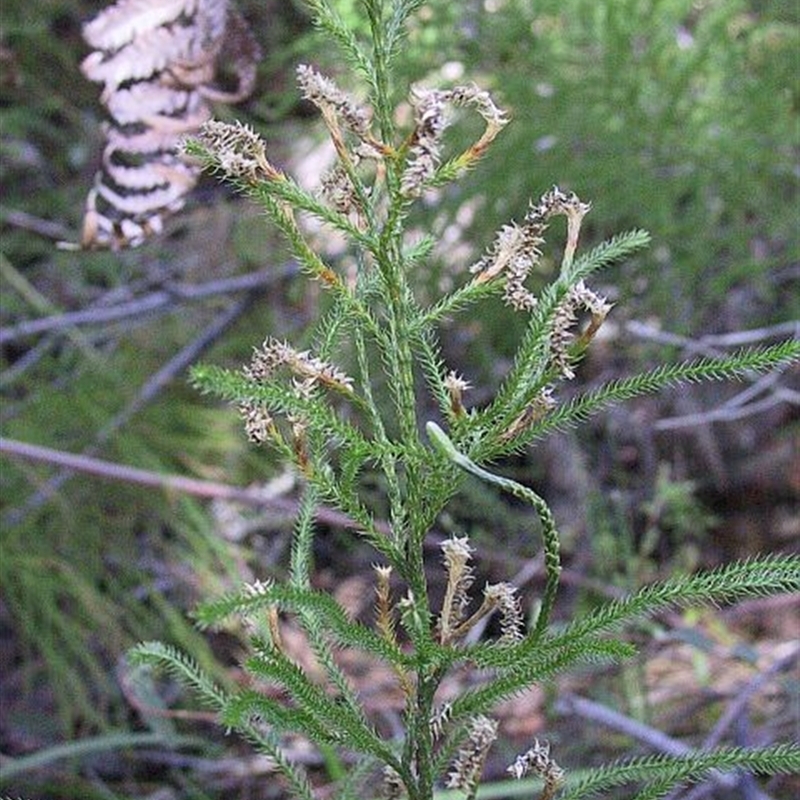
(673, 116)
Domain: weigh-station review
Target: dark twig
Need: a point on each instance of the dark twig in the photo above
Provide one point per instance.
(167, 299)
(45, 345)
(188, 355)
(207, 490)
(25, 362)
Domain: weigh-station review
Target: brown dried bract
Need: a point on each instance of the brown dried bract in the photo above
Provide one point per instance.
(160, 62)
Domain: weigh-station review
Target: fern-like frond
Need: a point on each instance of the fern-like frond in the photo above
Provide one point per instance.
(758, 577)
(427, 351)
(290, 598)
(396, 24)
(663, 773)
(265, 741)
(531, 359)
(532, 661)
(343, 726)
(250, 707)
(530, 370)
(730, 367)
(182, 668)
(331, 492)
(459, 300)
(280, 398)
(311, 622)
(529, 669)
(419, 251)
(328, 20)
(287, 191)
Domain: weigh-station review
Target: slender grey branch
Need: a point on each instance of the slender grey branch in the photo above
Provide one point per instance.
(743, 403)
(29, 222)
(165, 300)
(183, 359)
(727, 414)
(108, 470)
(744, 696)
(708, 344)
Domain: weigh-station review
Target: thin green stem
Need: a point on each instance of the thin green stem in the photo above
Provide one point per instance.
(550, 536)
(381, 68)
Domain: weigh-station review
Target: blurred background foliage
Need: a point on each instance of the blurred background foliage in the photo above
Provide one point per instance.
(676, 116)
(679, 117)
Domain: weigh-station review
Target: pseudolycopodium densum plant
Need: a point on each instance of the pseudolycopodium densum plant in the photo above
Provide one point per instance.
(373, 394)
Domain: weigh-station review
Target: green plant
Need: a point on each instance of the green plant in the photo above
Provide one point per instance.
(675, 524)
(337, 421)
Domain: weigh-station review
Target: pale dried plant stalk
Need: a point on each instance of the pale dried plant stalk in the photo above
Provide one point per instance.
(532, 413)
(562, 336)
(538, 761)
(516, 248)
(334, 103)
(259, 425)
(384, 612)
(456, 385)
(457, 556)
(274, 354)
(440, 719)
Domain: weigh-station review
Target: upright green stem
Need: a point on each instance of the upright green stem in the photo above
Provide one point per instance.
(381, 68)
(423, 734)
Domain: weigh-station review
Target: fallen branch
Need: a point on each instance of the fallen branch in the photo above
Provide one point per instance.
(207, 490)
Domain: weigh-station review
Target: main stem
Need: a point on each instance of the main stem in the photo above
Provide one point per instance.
(422, 738)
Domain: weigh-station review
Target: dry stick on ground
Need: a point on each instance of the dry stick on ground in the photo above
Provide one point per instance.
(737, 708)
(31, 357)
(733, 409)
(109, 470)
(154, 386)
(572, 704)
(166, 300)
(709, 345)
(121, 304)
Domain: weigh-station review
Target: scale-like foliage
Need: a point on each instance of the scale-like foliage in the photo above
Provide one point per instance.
(181, 667)
(662, 773)
(333, 427)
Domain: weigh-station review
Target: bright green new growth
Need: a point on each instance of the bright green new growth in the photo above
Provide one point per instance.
(335, 425)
